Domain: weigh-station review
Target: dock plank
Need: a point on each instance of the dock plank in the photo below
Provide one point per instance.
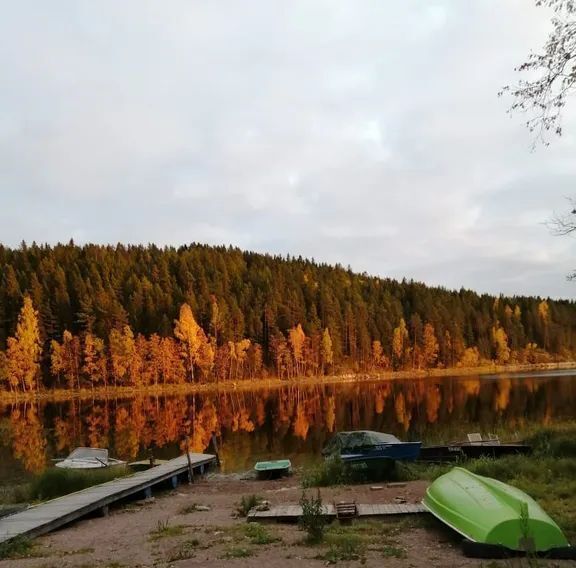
(53, 514)
(291, 513)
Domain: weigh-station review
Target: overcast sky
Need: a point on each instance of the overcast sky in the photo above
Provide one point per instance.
(361, 132)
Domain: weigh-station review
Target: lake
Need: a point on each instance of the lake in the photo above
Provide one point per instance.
(292, 421)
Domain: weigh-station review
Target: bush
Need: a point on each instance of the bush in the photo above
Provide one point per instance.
(313, 520)
(331, 471)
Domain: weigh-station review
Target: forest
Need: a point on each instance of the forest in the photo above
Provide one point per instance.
(90, 316)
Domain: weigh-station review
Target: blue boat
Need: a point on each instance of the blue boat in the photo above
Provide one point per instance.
(364, 446)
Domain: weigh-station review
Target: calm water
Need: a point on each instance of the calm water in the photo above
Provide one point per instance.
(290, 422)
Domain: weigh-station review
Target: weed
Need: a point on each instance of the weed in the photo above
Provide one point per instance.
(19, 547)
(259, 534)
(55, 482)
(186, 550)
(324, 474)
(247, 503)
(165, 530)
(189, 509)
(345, 547)
(313, 520)
(237, 552)
(390, 551)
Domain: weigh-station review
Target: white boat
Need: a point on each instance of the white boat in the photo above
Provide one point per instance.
(88, 458)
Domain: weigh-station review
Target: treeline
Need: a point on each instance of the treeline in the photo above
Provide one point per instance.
(132, 315)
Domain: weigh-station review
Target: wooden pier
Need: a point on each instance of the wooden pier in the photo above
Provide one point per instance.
(292, 513)
(56, 513)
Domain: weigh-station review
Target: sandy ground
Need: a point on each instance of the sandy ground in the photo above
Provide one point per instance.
(126, 538)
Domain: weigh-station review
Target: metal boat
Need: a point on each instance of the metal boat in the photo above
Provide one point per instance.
(494, 517)
(366, 445)
(88, 458)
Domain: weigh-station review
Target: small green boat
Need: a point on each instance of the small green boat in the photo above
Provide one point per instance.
(273, 469)
(493, 515)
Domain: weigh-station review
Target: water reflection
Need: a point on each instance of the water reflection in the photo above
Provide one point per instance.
(290, 422)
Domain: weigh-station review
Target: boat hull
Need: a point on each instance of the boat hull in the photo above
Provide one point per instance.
(273, 469)
(488, 511)
(405, 451)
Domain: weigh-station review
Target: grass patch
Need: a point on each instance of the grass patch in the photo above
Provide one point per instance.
(186, 550)
(344, 547)
(19, 547)
(325, 474)
(237, 552)
(389, 551)
(259, 534)
(247, 503)
(55, 482)
(165, 530)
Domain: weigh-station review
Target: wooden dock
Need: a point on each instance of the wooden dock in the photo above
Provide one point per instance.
(51, 515)
(291, 513)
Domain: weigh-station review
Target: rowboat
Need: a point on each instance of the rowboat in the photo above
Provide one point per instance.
(495, 518)
(366, 445)
(88, 458)
(273, 469)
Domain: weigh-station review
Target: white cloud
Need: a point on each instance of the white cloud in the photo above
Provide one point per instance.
(362, 132)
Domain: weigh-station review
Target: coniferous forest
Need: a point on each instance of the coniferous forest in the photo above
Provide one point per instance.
(84, 316)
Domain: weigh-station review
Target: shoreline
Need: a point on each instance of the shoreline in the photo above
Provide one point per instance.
(103, 393)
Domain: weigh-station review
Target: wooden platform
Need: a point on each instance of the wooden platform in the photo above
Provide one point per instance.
(51, 515)
(291, 513)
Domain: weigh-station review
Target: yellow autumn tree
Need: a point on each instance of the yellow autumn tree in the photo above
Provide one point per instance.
(399, 343)
(430, 347)
(94, 367)
(326, 351)
(194, 344)
(65, 359)
(122, 352)
(24, 350)
(500, 340)
(544, 315)
(297, 340)
(470, 358)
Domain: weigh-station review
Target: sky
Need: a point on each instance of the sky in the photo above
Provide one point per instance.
(364, 132)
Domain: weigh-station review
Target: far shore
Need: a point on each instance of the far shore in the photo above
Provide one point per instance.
(102, 393)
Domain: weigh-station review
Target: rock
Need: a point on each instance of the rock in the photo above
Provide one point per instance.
(202, 508)
(263, 506)
(376, 487)
(399, 500)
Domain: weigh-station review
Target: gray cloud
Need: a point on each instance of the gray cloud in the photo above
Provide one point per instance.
(366, 133)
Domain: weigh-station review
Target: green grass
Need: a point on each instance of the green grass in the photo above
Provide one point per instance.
(19, 547)
(326, 473)
(237, 552)
(344, 547)
(259, 534)
(186, 550)
(55, 482)
(165, 530)
(247, 503)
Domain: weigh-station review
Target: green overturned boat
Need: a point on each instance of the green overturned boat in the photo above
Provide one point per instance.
(273, 469)
(496, 519)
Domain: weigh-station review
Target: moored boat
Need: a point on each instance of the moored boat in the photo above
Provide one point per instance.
(273, 469)
(493, 516)
(88, 458)
(367, 445)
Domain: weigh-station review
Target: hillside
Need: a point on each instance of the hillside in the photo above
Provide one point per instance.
(106, 314)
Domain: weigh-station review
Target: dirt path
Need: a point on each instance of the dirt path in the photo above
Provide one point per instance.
(168, 531)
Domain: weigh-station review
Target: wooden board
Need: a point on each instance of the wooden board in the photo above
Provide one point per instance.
(291, 513)
(48, 516)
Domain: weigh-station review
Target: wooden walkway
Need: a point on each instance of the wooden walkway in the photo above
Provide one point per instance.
(51, 515)
(291, 513)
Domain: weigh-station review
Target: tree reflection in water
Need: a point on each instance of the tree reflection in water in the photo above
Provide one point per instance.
(292, 421)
